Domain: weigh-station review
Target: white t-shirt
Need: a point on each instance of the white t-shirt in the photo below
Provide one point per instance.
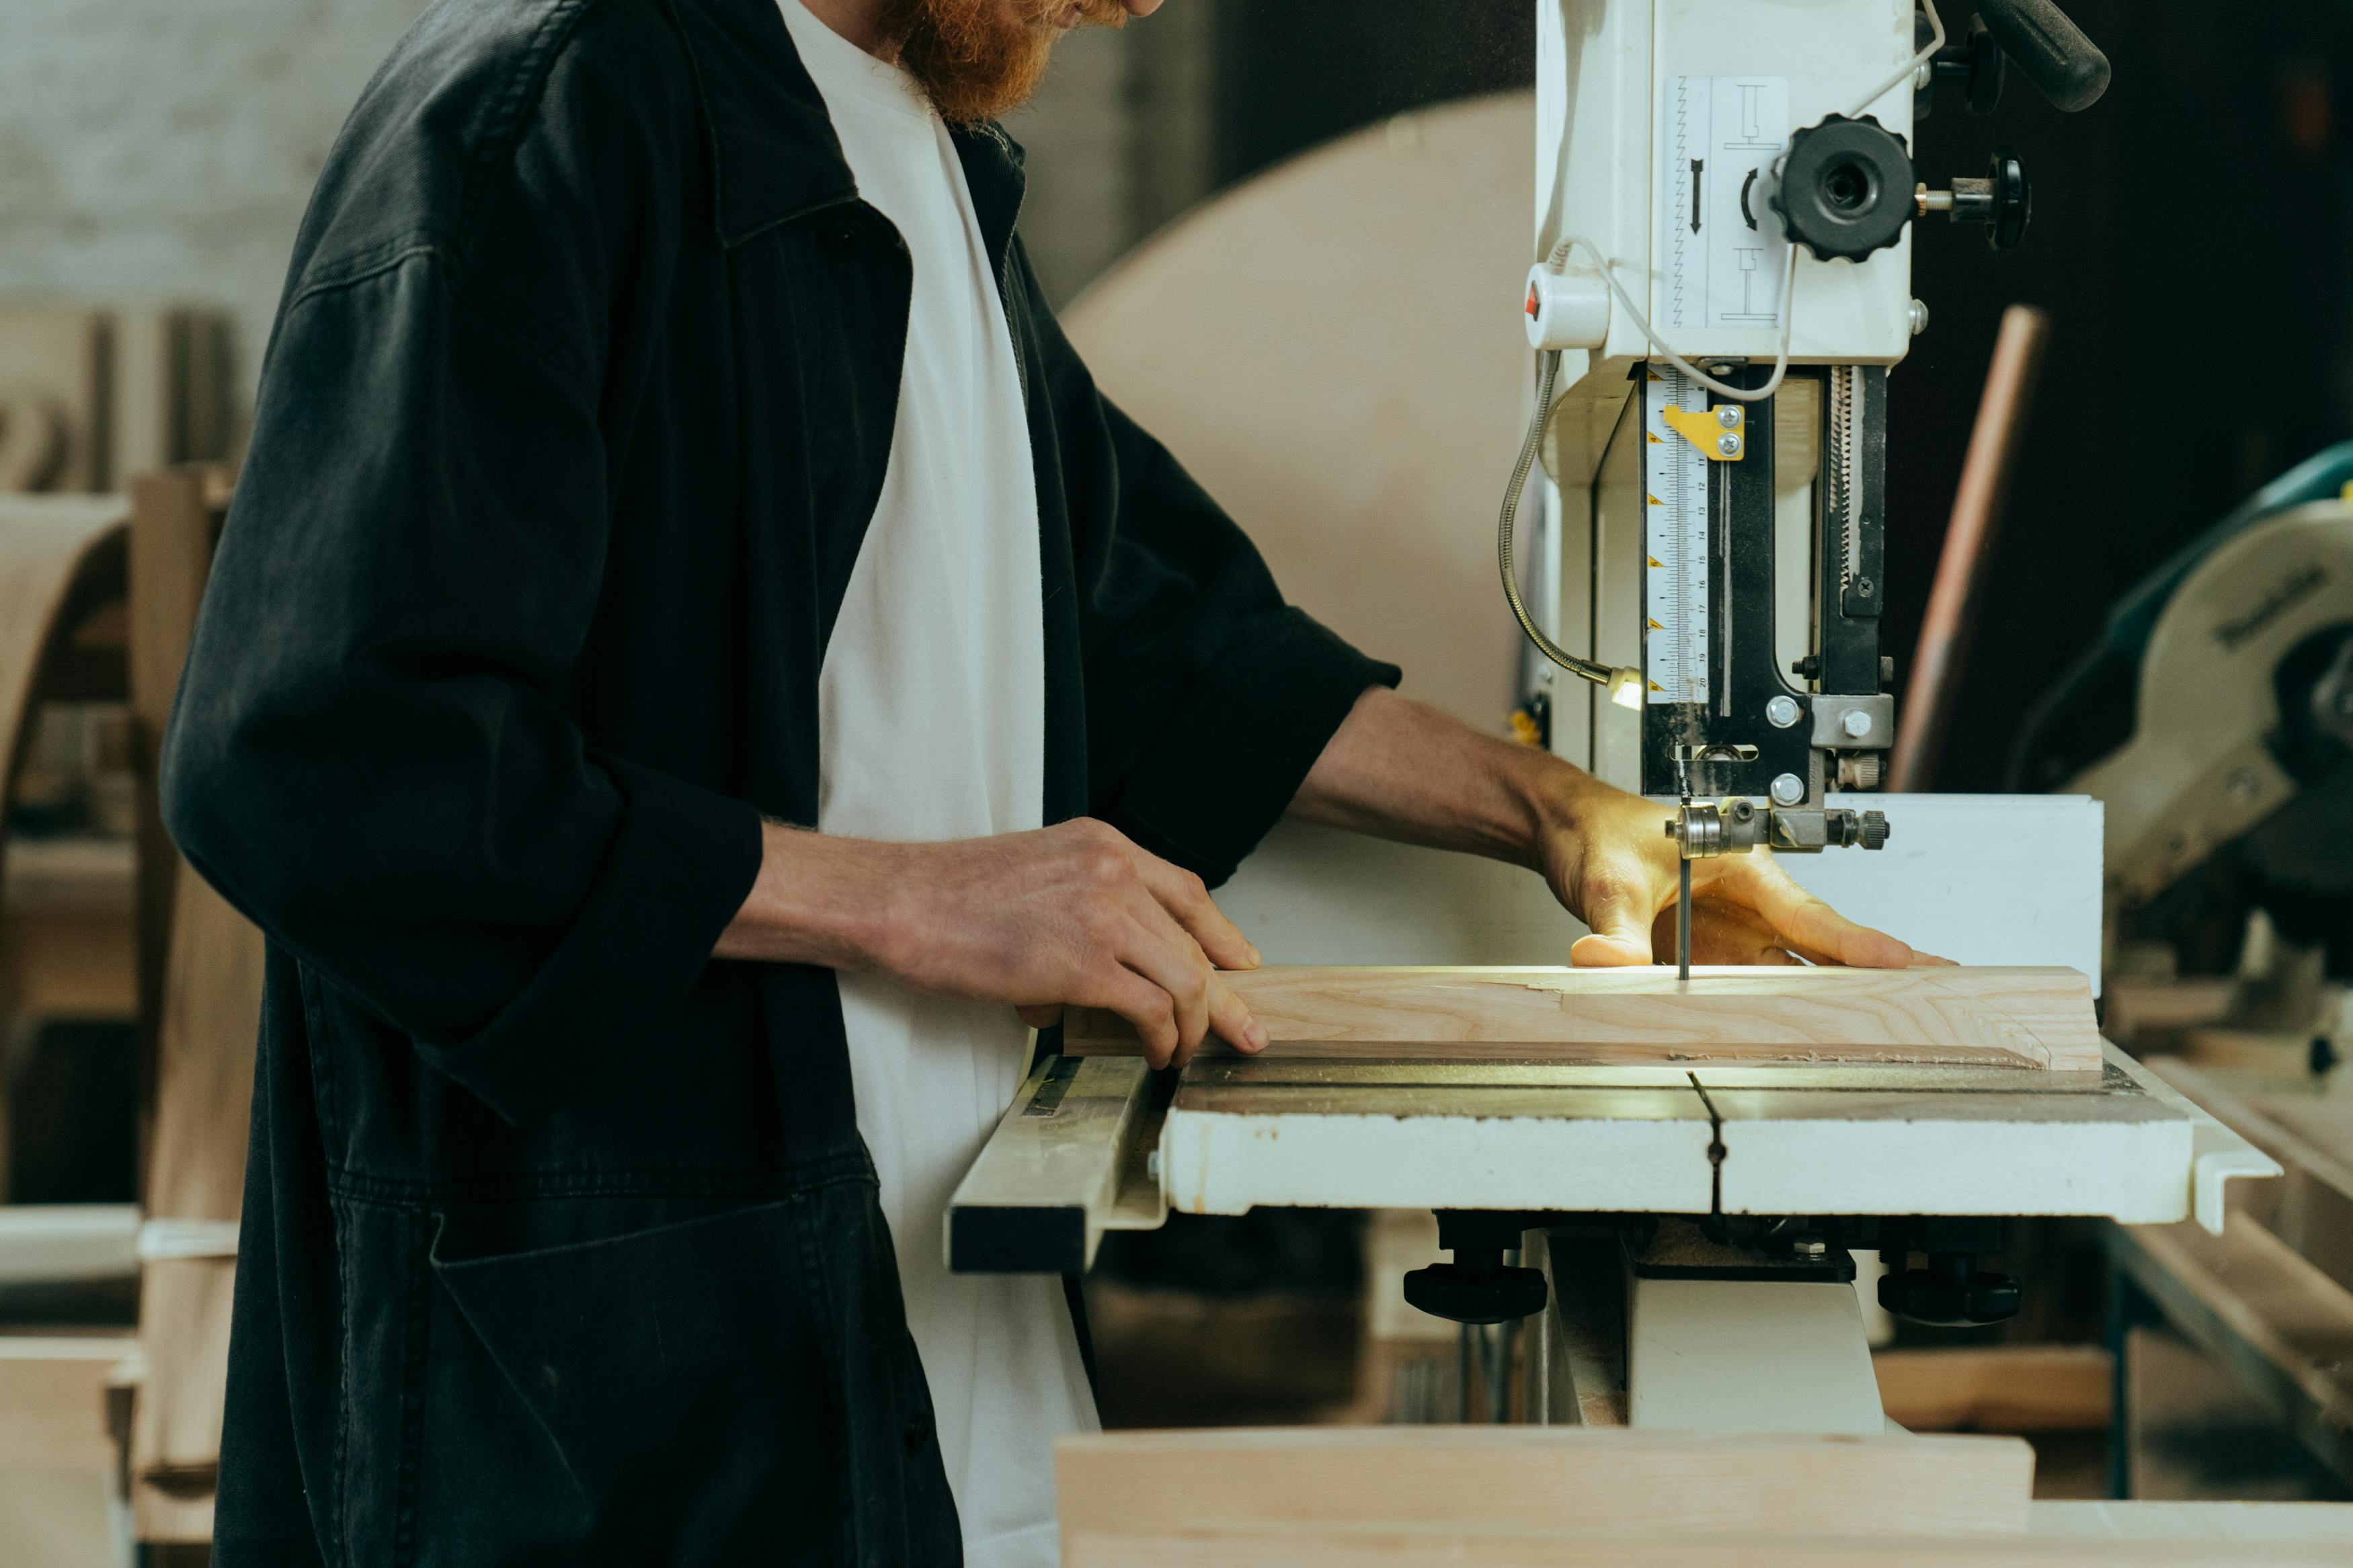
(931, 723)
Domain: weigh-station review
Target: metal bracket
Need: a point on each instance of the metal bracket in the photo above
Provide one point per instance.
(1720, 433)
(1874, 732)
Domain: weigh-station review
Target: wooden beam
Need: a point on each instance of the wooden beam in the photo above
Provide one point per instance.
(1997, 1388)
(1401, 1547)
(1432, 1480)
(1946, 1015)
(53, 1398)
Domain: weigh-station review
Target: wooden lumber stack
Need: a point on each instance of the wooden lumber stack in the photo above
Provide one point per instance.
(1525, 1496)
(202, 962)
(1945, 1015)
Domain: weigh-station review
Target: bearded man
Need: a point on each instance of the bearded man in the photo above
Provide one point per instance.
(693, 674)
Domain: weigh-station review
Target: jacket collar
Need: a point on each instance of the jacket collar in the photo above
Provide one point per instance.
(774, 156)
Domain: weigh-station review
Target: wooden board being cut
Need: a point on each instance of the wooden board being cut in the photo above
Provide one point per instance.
(2039, 1018)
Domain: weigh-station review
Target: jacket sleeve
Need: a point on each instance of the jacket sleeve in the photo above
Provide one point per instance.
(369, 756)
(1208, 697)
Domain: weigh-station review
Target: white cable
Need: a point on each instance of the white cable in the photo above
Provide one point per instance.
(1559, 259)
(1912, 66)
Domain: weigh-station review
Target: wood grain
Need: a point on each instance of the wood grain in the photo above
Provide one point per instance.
(1433, 1480)
(1997, 1388)
(53, 1398)
(1403, 1547)
(201, 977)
(1947, 1016)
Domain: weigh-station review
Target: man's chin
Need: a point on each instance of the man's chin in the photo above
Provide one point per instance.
(977, 60)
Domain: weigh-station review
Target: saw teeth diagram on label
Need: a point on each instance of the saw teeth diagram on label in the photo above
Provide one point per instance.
(1724, 252)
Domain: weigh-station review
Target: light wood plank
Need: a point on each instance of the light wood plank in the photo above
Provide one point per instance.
(1432, 1480)
(2313, 1523)
(1402, 1547)
(1985, 1015)
(53, 1398)
(201, 975)
(1997, 1388)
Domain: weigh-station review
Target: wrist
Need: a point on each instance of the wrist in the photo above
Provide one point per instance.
(817, 899)
(1560, 800)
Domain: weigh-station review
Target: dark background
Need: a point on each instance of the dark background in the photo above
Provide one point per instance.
(2187, 240)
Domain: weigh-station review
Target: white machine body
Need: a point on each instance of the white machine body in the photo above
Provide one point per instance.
(1629, 93)
(1659, 126)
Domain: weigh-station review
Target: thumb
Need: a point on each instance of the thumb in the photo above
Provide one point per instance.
(1041, 1017)
(1619, 908)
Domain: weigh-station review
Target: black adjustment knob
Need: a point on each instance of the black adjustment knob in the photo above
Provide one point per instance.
(1874, 830)
(2013, 201)
(2052, 50)
(1476, 1288)
(1845, 188)
(2002, 200)
(1951, 1292)
(1974, 65)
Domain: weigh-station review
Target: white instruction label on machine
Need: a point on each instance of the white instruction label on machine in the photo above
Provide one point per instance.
(1674, 576)
(1725, 253)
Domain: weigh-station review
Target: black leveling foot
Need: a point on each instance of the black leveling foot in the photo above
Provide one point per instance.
(1477, 1287)
(1951, 1291)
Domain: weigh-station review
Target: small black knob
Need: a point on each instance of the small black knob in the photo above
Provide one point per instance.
(2013, 201)
(2052, 50)
(1951, 1292)
(1477, 1288)
(1975, 66)
(1874, 830)
(1845, 188)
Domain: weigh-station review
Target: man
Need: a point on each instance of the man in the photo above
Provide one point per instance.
(693, 671)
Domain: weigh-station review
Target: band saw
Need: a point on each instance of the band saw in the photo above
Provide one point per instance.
(1725, 204)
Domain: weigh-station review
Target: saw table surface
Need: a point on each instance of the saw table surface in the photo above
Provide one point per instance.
(1103, 1142)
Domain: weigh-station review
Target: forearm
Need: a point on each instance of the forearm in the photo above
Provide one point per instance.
(1403, 770)
(817, 899)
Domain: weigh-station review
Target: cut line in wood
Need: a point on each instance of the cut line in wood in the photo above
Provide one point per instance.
(2039, 1018)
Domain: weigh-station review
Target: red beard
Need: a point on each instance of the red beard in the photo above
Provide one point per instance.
(977, 60)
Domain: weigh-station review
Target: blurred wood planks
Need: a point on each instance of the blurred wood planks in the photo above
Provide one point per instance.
(1540, 1488)
(202, 966)
(1401, 1548)
(1525, 1496)
(1997, 1388)
(1944, 1015)
(60, 556)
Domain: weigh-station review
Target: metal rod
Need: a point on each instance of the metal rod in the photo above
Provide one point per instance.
(1499, 1375)
(1682, 920)
(1969, 537)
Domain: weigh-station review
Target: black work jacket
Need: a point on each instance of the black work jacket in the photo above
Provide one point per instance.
(560, 1243)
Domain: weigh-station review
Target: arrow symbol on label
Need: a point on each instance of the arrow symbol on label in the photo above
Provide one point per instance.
(1697, 164)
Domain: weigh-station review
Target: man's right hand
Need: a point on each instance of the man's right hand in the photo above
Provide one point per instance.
(1070, 915)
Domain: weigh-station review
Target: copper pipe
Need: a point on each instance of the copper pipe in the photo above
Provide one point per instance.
(1977, 503)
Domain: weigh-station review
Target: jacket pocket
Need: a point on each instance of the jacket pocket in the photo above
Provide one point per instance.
(665, 1396)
